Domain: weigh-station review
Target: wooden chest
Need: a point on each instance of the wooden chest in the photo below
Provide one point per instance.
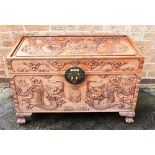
(75, 74)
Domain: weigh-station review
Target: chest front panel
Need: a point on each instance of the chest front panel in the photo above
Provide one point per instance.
(97, 93)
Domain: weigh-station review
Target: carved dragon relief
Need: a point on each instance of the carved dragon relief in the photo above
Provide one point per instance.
(43, 46)
(48, 94)
(118, 92)
(75, 45)
(59, 65)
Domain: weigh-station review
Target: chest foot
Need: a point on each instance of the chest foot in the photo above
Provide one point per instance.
(23, 117)
(129, 116)
(129, 119)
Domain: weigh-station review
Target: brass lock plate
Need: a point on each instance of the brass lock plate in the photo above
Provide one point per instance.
(75, 75)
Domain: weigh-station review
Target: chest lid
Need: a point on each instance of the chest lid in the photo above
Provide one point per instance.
(71, 46)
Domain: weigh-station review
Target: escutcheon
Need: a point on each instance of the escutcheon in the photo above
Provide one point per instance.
(75, 75)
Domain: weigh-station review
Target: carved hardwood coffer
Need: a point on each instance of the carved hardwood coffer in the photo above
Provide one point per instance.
(75, 74)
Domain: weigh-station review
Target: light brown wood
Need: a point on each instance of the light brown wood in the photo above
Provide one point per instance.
(112, 64)
(23, 117)
(71, 46)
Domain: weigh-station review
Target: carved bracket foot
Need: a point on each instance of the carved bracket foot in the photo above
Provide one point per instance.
(23, 117)
(129, 116)
(21, 120)
(129, 120)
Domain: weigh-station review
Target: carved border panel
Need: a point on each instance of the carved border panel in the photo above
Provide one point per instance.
(104, 65)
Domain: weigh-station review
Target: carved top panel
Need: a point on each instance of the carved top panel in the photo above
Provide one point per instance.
(68, 46)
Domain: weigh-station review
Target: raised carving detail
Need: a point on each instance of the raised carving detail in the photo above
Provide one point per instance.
(36, 87)
(104, 92)
(54, 46)
(118, 91)
(75, 94)
(22, 70)
(92, 64)
(57, 64)
(97, 97)
(71, 108)
(33, 66)
(105, 66)
(53, 93)
(46, 93)
(61, 65)
(112, 65)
